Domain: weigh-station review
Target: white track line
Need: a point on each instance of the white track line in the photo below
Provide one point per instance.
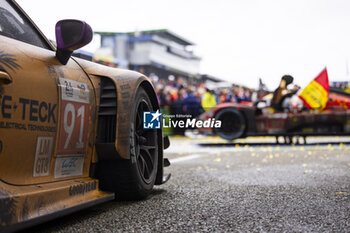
(184, 158)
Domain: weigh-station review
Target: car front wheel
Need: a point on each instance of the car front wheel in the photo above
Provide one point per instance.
(134, 178)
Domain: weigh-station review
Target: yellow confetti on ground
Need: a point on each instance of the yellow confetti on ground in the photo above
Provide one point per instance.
(340, 193)
(227, 166)
(305, 165)
(309, 153)
(277, 155)
(253, 154)
(270, 156)
(217, 160)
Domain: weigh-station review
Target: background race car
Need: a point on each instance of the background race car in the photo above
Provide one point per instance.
(326, 111)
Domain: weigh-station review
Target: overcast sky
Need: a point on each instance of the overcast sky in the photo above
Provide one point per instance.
(238, 40)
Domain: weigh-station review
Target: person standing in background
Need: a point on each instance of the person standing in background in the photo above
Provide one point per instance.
(208, 100)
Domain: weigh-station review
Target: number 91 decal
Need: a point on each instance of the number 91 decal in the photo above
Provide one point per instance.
(74, 119)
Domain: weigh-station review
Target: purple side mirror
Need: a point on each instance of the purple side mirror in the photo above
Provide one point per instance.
(71, 34)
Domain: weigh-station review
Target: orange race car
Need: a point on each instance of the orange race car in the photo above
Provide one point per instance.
(71, 131)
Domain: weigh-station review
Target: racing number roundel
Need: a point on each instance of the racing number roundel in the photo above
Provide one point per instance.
(74, 118)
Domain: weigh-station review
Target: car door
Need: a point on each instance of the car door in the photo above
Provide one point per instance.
(45, 107)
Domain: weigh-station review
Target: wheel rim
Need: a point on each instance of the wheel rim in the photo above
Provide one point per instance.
(232, 126)
(145, 145)
(229, 125)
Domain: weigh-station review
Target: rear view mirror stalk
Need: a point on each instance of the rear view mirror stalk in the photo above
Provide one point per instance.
(63, 55)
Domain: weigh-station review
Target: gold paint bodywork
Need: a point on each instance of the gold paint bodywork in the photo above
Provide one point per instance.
(23, 120)
(127, 82)
(25, 117)
(36, 80)
(23, 206)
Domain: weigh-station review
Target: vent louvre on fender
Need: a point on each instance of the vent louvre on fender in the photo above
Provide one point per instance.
(107, 114)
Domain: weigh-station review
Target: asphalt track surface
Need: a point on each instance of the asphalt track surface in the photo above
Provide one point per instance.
(249, 186)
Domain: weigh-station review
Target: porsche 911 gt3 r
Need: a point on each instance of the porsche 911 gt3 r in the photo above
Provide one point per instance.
(71, 131)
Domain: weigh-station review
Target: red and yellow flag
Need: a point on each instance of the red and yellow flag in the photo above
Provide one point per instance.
(315, 94)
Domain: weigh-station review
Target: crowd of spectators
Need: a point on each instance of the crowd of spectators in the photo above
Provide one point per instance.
(192, 97)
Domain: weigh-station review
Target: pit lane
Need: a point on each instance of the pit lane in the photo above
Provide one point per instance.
(250, 185)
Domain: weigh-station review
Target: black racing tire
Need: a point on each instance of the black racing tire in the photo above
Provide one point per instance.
(134, 178)
(233, 124)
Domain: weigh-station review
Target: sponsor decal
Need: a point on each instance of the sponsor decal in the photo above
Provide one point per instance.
(68, 89)
(43, 156)
(125, 86)
(125, 95)
(74, 120)
(35, 112)
(69, 166)
(81, 189)
(74, 91)
(29, 109)
(151, 120)
(82, 87)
